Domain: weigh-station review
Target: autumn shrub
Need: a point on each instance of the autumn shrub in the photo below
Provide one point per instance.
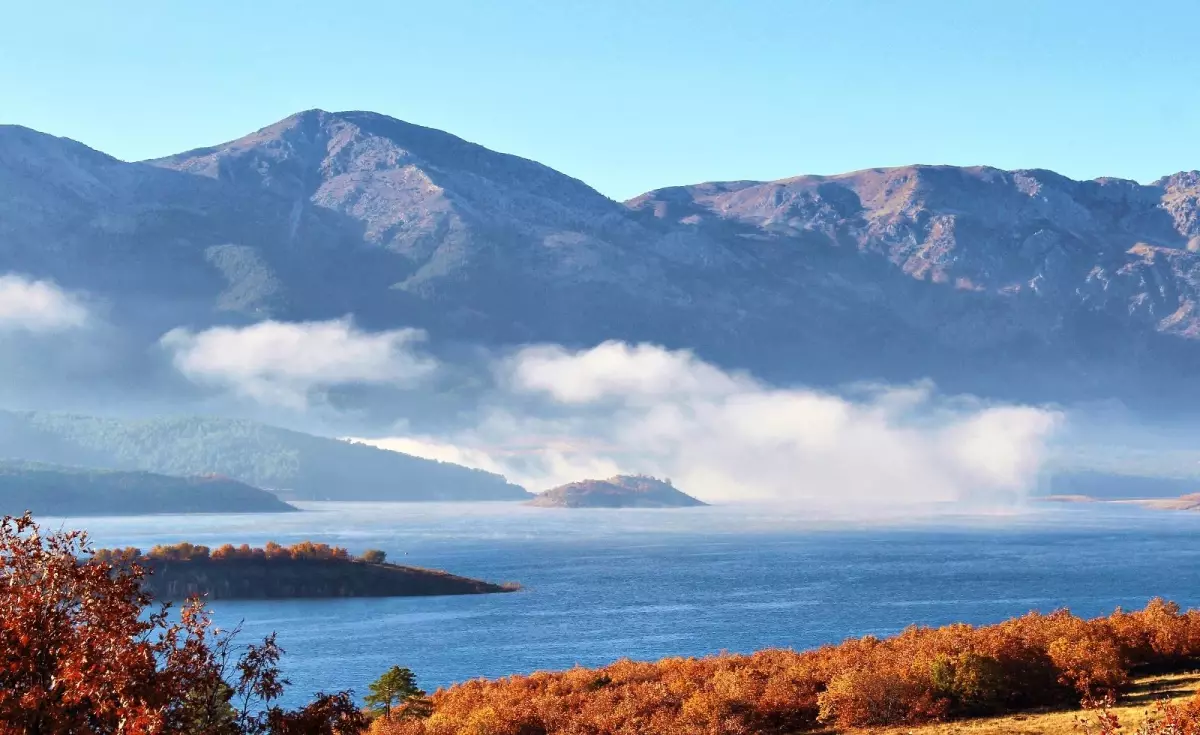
(970, 683)
(878, 696)
(922, 674)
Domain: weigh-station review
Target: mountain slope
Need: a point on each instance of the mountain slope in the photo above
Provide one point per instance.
(481, 241)
(1015, 273)
(1020, 284)
(291, 464)
(160, 247)
(1112, 245)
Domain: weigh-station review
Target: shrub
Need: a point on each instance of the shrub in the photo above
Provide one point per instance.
(971, 683)
(374, 556)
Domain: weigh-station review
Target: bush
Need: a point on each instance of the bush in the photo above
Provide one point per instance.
(971, 684)
(872, 696)
(374, 556)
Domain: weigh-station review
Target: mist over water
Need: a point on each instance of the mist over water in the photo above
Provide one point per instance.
(557, 415)
(601, 585)
(539, 414)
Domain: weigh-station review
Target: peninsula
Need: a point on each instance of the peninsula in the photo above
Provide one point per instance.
(620, 491)
(303, 570)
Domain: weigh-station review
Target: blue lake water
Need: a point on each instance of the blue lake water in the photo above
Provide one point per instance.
(601, 585)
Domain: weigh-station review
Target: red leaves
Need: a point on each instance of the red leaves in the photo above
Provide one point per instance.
(81, 653)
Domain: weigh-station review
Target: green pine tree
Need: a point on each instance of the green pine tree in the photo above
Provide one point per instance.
(395, 688)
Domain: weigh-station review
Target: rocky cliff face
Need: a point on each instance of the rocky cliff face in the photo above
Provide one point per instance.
(1010, 283)
(1110, 245)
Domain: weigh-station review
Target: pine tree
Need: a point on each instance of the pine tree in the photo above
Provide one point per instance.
(396, 687)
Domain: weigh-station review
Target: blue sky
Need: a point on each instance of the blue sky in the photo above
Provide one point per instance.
(631, 96)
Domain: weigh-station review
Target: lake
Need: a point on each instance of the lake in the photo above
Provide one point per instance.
(601, 585)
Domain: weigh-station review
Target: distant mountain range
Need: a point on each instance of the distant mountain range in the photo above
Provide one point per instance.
(1016, 284)
(292, 465)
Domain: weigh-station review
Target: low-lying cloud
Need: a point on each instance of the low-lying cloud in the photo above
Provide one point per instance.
(289, 363)
(35, 306)
(561, 415)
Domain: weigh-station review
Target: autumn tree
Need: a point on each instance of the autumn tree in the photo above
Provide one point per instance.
(84, 653)
(374, 556)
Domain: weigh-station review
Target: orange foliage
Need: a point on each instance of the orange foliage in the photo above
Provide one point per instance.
(303, 550)
(83, 653)
(179, 552)
(921, 675)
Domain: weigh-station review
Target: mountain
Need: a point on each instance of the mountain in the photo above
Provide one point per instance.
(1087, 286)
(466, 242)
(1014, 284)
(45, 489)
(620, 491)
(290, 464)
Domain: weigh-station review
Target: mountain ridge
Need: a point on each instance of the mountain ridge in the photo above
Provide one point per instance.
(1015, 284)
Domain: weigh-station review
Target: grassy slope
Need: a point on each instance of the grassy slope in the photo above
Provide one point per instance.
(1132, 710)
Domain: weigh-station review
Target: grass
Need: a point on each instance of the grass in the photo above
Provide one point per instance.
(1133, 709)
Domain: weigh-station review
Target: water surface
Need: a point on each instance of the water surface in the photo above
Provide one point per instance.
(601, 585)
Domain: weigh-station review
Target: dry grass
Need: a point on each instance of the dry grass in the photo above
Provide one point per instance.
(1133, 709)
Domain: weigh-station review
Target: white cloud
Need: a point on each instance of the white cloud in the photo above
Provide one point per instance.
(615, 368)
(38, 306)
(285, 363)
(722, 436)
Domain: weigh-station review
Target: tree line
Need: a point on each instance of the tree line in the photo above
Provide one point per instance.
(184, 551)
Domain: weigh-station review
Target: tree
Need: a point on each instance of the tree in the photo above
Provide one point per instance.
(395, 688)
(84, 654)
(374, 556)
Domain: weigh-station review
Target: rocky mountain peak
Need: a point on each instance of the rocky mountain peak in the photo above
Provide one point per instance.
(413, 188)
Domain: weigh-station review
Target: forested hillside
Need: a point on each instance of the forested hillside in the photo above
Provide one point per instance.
(289, 463)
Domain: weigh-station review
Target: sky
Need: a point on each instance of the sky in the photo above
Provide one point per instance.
(631, 96)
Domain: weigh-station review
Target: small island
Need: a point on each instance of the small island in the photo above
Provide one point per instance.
(302, 570)
(55, 490)
(621, 491)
